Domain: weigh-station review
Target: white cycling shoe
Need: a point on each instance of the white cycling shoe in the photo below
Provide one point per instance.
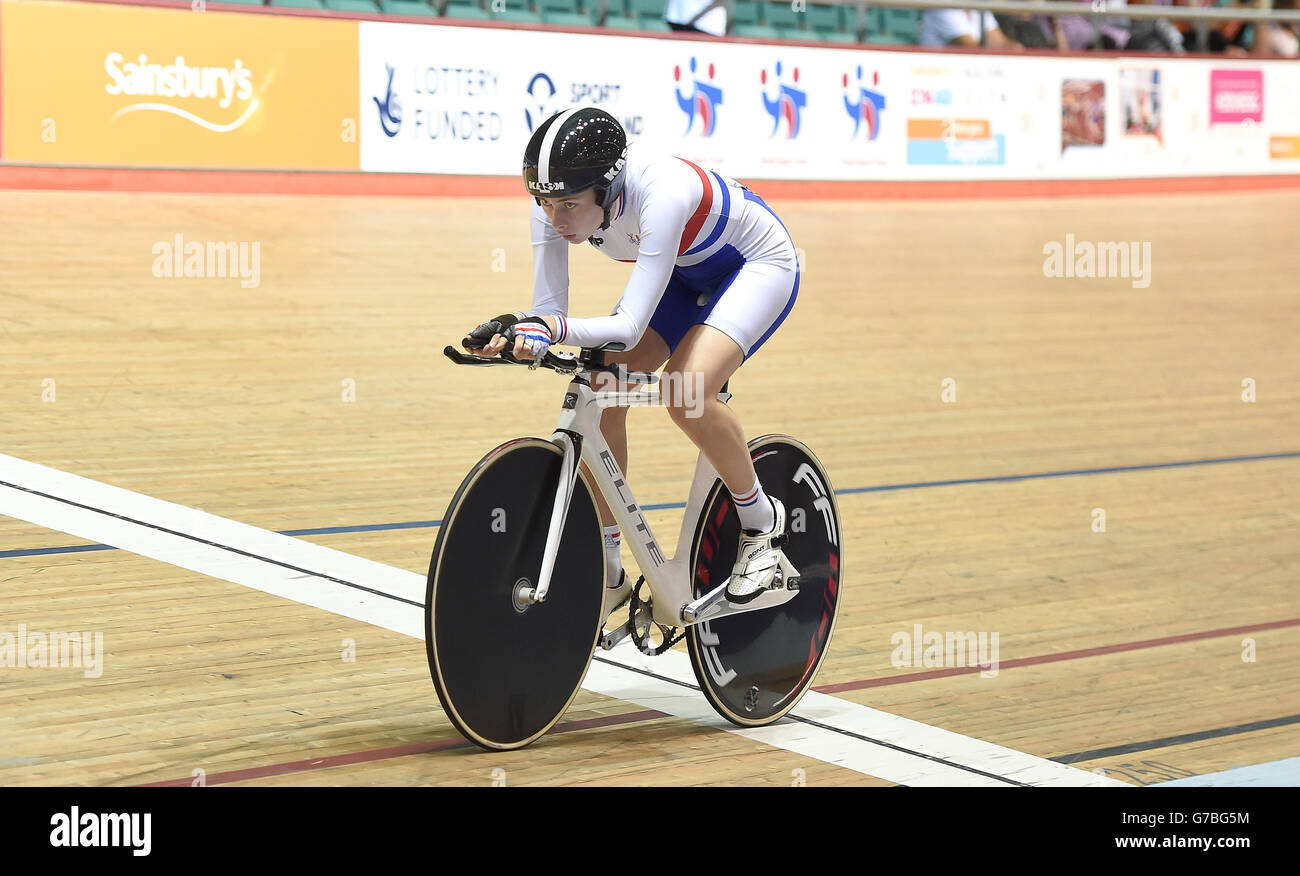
(618, 594)
(758, 560)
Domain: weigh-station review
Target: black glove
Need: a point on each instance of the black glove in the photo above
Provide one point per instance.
(482, 336)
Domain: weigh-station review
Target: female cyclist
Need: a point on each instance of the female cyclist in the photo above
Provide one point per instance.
(714, 273)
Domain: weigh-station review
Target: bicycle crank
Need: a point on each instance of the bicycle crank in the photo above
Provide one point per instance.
(640, 617)
(714, 604)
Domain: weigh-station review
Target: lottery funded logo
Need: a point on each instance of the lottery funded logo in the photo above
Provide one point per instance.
(390, 108)
(444, 103)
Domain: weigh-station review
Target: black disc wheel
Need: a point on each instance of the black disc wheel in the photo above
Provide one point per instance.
(754, 667)
(506, 669)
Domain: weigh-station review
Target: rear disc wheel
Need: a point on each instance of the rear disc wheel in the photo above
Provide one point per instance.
(754, 667)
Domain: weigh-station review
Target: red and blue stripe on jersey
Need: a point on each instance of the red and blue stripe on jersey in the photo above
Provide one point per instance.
(694, 239)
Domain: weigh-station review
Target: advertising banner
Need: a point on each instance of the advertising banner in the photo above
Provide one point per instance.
(116, 85)
(108, 84)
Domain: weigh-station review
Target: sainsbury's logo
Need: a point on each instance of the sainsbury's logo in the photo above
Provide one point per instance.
(141, 78)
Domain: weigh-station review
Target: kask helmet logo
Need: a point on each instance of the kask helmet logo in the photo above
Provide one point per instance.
(618, 166)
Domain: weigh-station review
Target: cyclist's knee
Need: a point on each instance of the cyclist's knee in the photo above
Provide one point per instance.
(683, 394)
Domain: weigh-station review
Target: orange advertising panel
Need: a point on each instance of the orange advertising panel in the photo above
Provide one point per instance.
(948, 129)
(1284, 147)
(121, 85)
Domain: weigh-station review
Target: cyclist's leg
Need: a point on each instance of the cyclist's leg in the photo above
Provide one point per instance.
(701, 364)
(677, 312)
(739, 320)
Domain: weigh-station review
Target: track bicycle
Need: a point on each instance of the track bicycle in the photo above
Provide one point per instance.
(514, 609)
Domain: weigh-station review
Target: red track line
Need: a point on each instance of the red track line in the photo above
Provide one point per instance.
(280, 182)
(650, 714)
(1055, 658)
(323, 763)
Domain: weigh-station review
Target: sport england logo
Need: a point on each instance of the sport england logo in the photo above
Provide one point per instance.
(181, 81)
(787, 106)
(390, 108)
(864, 105)
(700, 101)
(542, 91)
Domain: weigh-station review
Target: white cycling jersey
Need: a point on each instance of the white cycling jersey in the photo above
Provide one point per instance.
(675, 221)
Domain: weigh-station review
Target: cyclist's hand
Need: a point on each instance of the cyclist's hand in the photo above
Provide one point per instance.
(532, 338)
(488, 339)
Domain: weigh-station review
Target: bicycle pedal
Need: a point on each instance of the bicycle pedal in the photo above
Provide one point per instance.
(792, 583)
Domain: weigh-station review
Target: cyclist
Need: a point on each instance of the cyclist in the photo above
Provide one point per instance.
(714, 274)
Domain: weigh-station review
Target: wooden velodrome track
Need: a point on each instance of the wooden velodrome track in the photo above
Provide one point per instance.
(1165, 646)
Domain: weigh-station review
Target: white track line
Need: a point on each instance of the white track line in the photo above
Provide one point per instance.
(303, 572)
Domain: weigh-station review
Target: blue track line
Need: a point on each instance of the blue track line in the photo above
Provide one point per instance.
(429, 524)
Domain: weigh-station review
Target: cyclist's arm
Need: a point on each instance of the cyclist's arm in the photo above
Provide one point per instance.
(664, 213)
(550, 266)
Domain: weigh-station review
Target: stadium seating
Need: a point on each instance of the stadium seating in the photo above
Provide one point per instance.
(513, 11)
(569, 13)
(787, 22)
(835, 24)
(893, 26)
(352, 6)
(464, 9)
(409, 8)
(756, 19)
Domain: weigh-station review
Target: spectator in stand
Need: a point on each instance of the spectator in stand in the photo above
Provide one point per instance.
(1030, 31)
(1250, 38)
(1219, 35)
(1082, 32)
(697, 16)
(1154, 34)
(1276, 38)
(961, 27)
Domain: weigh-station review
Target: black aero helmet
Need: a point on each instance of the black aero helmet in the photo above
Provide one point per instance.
(575, 150)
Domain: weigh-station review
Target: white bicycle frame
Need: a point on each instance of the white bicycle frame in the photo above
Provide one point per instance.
(670, 580)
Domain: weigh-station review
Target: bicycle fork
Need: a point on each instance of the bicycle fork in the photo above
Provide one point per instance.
(571, 444)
